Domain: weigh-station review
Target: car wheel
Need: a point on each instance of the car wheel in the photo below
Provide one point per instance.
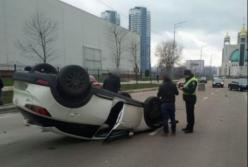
(44, 68)
(73, 80)
(152, 113)
(240, 89)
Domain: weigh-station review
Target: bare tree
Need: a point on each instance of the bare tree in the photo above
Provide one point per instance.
(135, 45)
(168, 54)
(40, 33)
(118, 36)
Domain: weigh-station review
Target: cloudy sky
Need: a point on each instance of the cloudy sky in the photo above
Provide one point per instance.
(207, 22)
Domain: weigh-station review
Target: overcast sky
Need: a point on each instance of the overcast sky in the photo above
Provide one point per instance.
(207, 22)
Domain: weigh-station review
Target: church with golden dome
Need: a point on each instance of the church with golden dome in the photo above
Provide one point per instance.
(235, 56)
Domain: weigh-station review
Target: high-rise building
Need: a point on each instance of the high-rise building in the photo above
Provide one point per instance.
(140, 22)
(111, 16)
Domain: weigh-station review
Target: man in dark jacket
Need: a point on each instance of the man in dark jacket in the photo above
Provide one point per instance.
(1, 93)
(167, 92)
(189, 96)
(112, 83)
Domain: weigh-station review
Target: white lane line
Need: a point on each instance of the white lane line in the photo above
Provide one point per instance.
(205, 98)
(155, 132)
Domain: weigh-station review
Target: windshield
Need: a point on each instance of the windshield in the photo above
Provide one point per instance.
(218, 80)
(243, 81)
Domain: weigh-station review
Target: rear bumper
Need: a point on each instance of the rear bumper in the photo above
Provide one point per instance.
(80, 130)
(218, 85)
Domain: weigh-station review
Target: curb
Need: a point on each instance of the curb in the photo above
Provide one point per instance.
(8, 108)
(7, 88)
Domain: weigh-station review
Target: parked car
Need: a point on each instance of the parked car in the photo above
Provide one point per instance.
(67, 103)
(239, 84)
(218, 82)
(203, 80)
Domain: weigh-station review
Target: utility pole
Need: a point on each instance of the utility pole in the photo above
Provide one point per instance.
(201, 59)
(176, 25)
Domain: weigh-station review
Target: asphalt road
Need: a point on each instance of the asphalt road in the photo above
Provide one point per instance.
(220, 140)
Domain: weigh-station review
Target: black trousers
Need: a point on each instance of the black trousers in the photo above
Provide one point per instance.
(190, 111)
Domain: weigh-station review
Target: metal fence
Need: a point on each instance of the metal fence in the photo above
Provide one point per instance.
(100, 75)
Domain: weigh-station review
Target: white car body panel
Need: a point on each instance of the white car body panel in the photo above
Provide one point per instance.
(101, 114)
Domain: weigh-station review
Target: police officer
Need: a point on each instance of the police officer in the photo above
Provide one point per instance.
(189, 96)
(166, 93)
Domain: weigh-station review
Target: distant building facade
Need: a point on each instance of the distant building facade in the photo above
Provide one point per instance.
(196, 66)
(140, 22)
(111, 16)
(81, 38)
(235, 56)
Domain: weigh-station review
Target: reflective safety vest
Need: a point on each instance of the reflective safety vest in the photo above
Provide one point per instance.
(187, 84)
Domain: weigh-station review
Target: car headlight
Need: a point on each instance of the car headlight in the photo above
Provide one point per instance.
(222, 83)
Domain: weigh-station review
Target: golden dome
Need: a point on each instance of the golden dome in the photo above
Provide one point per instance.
(243, 31)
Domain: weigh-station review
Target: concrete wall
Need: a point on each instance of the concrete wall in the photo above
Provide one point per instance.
(197, 66)
(77, 31)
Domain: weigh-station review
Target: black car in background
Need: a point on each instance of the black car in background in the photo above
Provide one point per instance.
(239, 84)
(218, 82)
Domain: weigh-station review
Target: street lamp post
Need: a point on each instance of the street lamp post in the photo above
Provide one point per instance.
(201, 59)
(176, 25)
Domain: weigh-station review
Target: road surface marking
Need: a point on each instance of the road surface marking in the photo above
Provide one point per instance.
(205, 98)
(155, 132)
(212, 93)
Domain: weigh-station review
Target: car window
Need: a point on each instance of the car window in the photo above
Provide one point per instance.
(243, 81)
(218, 80)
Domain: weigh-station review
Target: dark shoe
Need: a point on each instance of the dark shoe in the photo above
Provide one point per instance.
(166, 130)
(184, 129)
(173, 130)
(188, 131)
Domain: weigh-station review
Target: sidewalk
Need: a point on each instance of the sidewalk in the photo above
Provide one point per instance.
(7, 108)
(10, 88)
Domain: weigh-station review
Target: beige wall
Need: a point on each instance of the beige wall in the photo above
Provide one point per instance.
(77, 29)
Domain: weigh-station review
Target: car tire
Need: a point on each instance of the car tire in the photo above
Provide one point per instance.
(44, 68)
(73, 81)
(152, 113)
(240, 89)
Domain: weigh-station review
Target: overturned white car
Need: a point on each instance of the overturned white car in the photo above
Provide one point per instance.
(65, 102)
